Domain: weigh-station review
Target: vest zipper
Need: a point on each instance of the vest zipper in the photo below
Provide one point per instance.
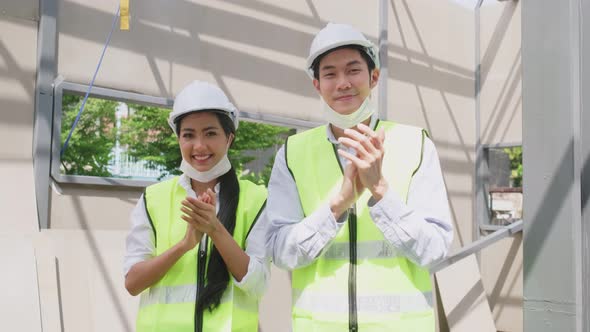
(352, 314)
(352, 309)
(201, 264)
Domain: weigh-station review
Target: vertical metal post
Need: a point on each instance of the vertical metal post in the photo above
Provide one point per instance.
(480, 210)
(555, 258)
(585, 163)
(383, 44)
(46, 73)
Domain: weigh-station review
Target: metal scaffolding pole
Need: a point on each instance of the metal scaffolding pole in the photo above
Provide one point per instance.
(46, 73)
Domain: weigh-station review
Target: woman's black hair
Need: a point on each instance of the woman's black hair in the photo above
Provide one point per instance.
(315, 66)
(229, 192)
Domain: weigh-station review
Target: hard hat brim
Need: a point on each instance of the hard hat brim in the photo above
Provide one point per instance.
(231, 113)
(364, 43)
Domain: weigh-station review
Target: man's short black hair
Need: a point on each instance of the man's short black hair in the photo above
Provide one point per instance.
(315, 66)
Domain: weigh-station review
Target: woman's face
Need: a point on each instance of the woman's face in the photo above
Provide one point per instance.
(202, 140)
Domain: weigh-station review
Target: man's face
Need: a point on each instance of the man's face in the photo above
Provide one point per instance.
(344, 80)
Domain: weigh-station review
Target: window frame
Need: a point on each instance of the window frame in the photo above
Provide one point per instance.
(62, 87)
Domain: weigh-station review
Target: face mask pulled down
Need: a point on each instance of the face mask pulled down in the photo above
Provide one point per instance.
(222, 167)
(345, 121)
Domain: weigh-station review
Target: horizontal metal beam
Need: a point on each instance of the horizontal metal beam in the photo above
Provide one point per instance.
(501, 145)
(478, 245)
(100, 181)
(278, 120)
(112, 94)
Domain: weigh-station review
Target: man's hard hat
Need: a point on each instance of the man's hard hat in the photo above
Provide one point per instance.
(335, 35)
(199, 96)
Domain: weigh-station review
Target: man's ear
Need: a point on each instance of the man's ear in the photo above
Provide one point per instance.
(316, 84)
(375, 77)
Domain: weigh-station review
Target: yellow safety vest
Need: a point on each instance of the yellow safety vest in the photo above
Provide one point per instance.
(169, 305)
(359, 282)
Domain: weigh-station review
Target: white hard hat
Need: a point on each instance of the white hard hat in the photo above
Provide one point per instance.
(199, 96)
(335, 35)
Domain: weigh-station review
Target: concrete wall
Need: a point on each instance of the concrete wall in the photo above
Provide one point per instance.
(18, 68)
(501, 82)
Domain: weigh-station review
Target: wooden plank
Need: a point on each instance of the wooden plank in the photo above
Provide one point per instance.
(464, 298)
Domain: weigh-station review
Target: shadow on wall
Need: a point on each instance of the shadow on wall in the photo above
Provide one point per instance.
(489, 55)
(100, 261)
(12, 107)
(549, 207)
(181, 30)
(421, 70)
(509, 89)
(502, 284)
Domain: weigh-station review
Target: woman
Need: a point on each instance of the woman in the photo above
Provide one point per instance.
(189, 232)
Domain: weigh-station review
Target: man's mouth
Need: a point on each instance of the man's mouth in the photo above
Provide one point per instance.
(344, 98)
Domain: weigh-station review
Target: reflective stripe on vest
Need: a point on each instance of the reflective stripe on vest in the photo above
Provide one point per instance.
(169, 305)
(364, 250)
(338, 290)
(366, 304)
(169, 295)
(188, 294)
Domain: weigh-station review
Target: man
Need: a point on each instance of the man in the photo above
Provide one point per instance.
(357, 208)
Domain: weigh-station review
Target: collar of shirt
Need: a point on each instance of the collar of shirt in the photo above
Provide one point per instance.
(332, 138)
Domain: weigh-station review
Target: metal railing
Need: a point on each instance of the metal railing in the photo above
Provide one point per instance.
(478, 245)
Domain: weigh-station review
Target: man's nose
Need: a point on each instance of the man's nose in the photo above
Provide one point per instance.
(343, 82)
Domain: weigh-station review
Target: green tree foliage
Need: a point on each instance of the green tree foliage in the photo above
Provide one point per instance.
(255, 136)
(515, 155)
(91, 143)
(148, 137)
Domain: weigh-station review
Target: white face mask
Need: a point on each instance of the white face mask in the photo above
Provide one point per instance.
(349, 120)
(222, 167)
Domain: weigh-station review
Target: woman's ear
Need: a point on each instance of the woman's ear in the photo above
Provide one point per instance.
(230, 139)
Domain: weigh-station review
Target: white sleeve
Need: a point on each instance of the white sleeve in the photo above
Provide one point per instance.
(422, 229)
(294, 241)
(140, 242)
(256, 279)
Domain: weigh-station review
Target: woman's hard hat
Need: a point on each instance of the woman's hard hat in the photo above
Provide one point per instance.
(335, 35)
(199, 96)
